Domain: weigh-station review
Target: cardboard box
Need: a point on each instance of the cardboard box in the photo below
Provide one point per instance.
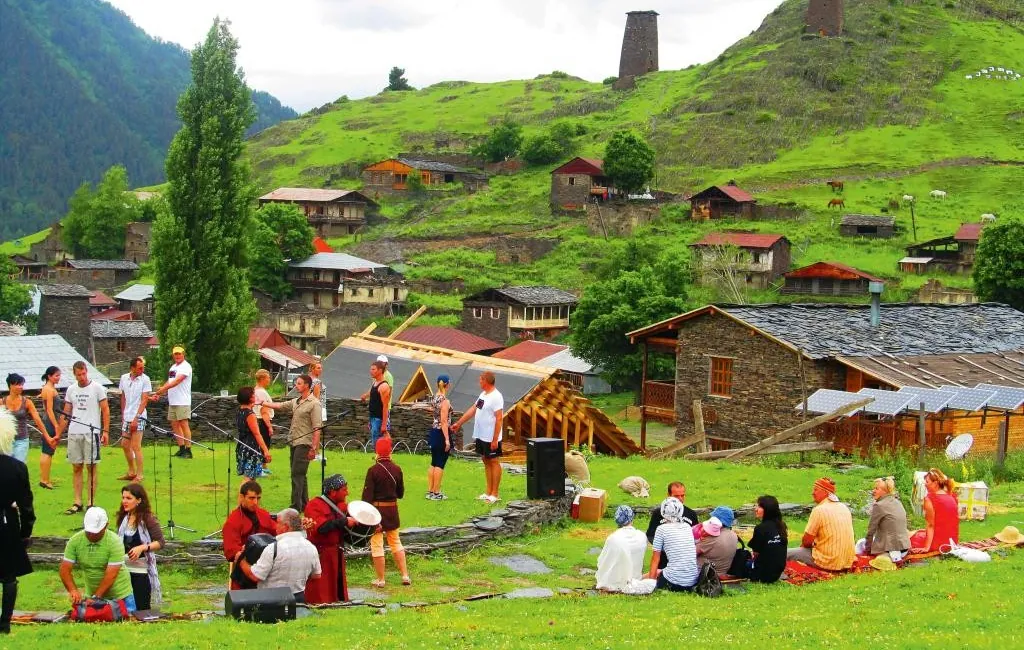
(593, 502)
(973, 500)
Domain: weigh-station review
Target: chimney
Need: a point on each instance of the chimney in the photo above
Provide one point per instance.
(876, 289)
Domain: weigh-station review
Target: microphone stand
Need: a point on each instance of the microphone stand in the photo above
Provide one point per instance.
(170, 526)
(323, 441)
(227, 484)
(92, 452)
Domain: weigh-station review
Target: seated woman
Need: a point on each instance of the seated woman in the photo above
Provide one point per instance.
(769, 544)
(941, 512)
(622, 558)
(674, 538)
(719, 543)
(887, 529)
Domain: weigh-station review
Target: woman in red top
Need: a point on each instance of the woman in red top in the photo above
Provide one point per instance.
(329, 513)
(942, 513)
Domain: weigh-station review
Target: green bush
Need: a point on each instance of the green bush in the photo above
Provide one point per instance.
(609, 80)
(541, 150)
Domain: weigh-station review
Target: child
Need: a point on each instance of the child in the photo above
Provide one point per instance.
(382, 488)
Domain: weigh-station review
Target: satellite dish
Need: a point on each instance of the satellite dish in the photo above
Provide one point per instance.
(959, 447)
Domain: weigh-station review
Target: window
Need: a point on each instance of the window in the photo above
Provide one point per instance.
(495, 313)
(316, 298)
(478, 312)
(336, 299)
(449, 178)
(369, 292)
(572, 180)
(721, 376)
(122, 345)
(425, 177)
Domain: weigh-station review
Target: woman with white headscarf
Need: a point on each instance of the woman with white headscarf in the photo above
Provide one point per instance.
(674, 538)
(622, 558)
(16, 519)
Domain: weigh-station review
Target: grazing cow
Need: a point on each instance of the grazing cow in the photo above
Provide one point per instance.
(837, 203)
(970, 77)
(1000, 69)
(837, 186)
(937, 194)
(908, 198)
(988, 218)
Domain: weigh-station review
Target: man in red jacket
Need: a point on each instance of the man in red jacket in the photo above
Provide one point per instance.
(383, 487)
(245, 520)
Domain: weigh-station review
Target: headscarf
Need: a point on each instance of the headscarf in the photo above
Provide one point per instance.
(624, 516)
(829, 486)
(7, 432)
(724, 515)
(383, 448)
(334, 482)
(672, 510)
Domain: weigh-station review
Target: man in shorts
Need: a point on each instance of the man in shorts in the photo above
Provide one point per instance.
(488, 411)
(88, 414)
(179, 400)
(135, 389)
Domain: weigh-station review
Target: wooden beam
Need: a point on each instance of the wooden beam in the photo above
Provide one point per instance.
(698, 426)
(680, 445)
(737, 454)
(408, 321)
(661, 342)
(814, 445)
(369, 329)
(643, 400)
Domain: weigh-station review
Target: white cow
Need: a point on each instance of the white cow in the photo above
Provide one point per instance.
(970, 76)
(991, 69)
(937, 194)
(1000, 69)
(988, 218)
(907, 198)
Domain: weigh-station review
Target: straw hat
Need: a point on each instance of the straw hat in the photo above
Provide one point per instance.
(1010, 535)
(364, 513)
(882, 563)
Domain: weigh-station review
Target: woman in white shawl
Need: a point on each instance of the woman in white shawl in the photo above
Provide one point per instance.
(622, 559)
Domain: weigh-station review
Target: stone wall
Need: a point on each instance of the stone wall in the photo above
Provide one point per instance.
(619, 219)
(495, 329)
(825, 17)
(639, 47)
(68, 317)
(935, 291)
(522, 250)
(766, 380)
(106, 350)
(570, 190)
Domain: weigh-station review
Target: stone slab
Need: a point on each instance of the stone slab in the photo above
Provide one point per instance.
(521, 564)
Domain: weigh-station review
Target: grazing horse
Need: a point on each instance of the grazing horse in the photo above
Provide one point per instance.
(937, 194)
(837, 203)
(894, 204)
(837, 186)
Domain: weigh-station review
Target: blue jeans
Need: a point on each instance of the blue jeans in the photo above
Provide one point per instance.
(375, 430)
(20, 450)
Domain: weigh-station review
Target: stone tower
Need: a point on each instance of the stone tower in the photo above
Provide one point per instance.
(639, 47)
(64, 310)
(825, 17)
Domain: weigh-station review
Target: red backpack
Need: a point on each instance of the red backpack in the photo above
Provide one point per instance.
(99, 610)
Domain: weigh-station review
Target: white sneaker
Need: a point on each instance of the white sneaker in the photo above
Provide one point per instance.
(484, 497)
(493, 499)
(440, 496)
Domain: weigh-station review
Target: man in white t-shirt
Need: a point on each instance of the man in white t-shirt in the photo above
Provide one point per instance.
(135, 388)
(487, 426)
(88, 415)
(179, 400)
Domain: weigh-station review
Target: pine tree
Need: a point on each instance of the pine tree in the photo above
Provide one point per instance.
(202, 294)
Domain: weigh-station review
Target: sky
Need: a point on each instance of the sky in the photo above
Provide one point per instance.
(310, 52)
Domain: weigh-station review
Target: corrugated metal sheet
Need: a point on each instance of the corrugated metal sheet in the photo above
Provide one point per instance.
(30, 356)
(740, 239)
(449, 338)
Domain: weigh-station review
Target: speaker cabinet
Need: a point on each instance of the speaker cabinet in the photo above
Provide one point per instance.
(545, 468)
(260, 605)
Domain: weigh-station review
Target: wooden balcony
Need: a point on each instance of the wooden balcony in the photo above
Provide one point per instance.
(659, 401)
(538, 323)
(309, 283)
(317, 218)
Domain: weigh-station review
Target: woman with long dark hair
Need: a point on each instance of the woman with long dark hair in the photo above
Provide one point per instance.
(768, 545)
(140, 530)
(253, 453)
(22, 408)
(52, 430)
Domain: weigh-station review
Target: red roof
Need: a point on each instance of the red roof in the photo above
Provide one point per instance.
(300, 357)
(969, 232)
(100, 299)
(448, 338)
(834, 270)
(113, 314)
(264, 337)
(529, 351)
(733, 192)
(320, 246)
(591, 166)
(740, 239)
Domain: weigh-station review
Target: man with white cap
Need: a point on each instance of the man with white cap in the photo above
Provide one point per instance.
(179, 400)
(98, 555)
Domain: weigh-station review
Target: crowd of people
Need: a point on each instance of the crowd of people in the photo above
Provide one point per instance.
(682, 544)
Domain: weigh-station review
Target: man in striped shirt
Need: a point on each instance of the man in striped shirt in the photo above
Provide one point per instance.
(828, 539)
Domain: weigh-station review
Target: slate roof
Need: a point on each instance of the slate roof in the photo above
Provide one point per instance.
(867, 220)
(102, 265)
(30, 356)
(317, 195)
(136, 293)
(65, 291)
(432, 166)
(10, 329)
(336, 261)
(449, 338)
(739, 239)
(119, 329)
(534, 295)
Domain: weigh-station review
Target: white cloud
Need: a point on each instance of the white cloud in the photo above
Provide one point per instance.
(309, 52)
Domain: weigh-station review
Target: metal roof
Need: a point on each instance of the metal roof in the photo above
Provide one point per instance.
(100, 299)
(314, 195)
(529, 351)
(818, 269)
(565, 360)
(30, 356)
(740, 239)
(336, 261)
(65, 291)
(969, 232)
(287, 355)
(449, 338)
(136, 293)
(731, 191)
(119, 329)
(102, 265)
(915, 260)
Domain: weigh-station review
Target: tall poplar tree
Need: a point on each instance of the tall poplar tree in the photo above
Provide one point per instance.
(202, 293)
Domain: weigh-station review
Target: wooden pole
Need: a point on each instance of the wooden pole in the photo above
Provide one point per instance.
(643, 401)
(922, 438)
(698, 426)
(1002, 442)
(803, 394)
(913, 220)
(407, 322)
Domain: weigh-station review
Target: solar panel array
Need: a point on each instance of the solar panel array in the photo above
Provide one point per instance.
(969, 399)
(1006, 398)
(887, 402)
(826, 400)
(934, 399)
(891, 403)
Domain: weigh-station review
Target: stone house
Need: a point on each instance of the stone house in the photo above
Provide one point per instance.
(828, 279)
(755, 259)
(523, 312)
(64, 310)
(326, 280)
(639, 48)
(138, 299)
(391, 176)
(522, 250)
(946, 254)
(96, 274)
(119, 340)
(719, 201)
(332, 213)
(578, 182)
(751, 366)
(51, 249)
(866, 225)
(99, 302)
(137, 240)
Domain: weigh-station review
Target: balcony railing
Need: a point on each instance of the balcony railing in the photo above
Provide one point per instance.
(537, 323)
(660, 401)
(308, 283)
(333, 218)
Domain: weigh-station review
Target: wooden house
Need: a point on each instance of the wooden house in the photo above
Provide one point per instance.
(29, 270)
(578, 182)
(865, 225)
(276, 354)
(332, 213)
(751, 366)
(138, 299)
(392, 175)
(755, 259)
(720, 201)
(946, 254)
(330, 280)
(828, 279)
(525, 312)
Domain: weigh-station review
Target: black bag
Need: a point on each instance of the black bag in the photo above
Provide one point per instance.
(254, 547)
(708, 584)
(740, 567)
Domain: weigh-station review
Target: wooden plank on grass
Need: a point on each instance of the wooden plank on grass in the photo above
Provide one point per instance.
(786, 448)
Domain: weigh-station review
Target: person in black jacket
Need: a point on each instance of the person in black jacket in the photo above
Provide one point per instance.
(16, 520)
(678, 490)
(768, 545)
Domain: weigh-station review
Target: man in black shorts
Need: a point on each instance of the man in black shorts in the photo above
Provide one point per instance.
(488, 411)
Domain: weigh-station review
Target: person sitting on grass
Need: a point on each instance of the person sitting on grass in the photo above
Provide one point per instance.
(768, 545)
(887, 528)
(677, 490)
(828, 539)
(622, 558)
(719, 543)
(674, 538)
(941, 513)
(98, 554)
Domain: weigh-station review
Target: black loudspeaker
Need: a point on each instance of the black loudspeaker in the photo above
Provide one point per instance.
(545, 468)
(261, 605)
